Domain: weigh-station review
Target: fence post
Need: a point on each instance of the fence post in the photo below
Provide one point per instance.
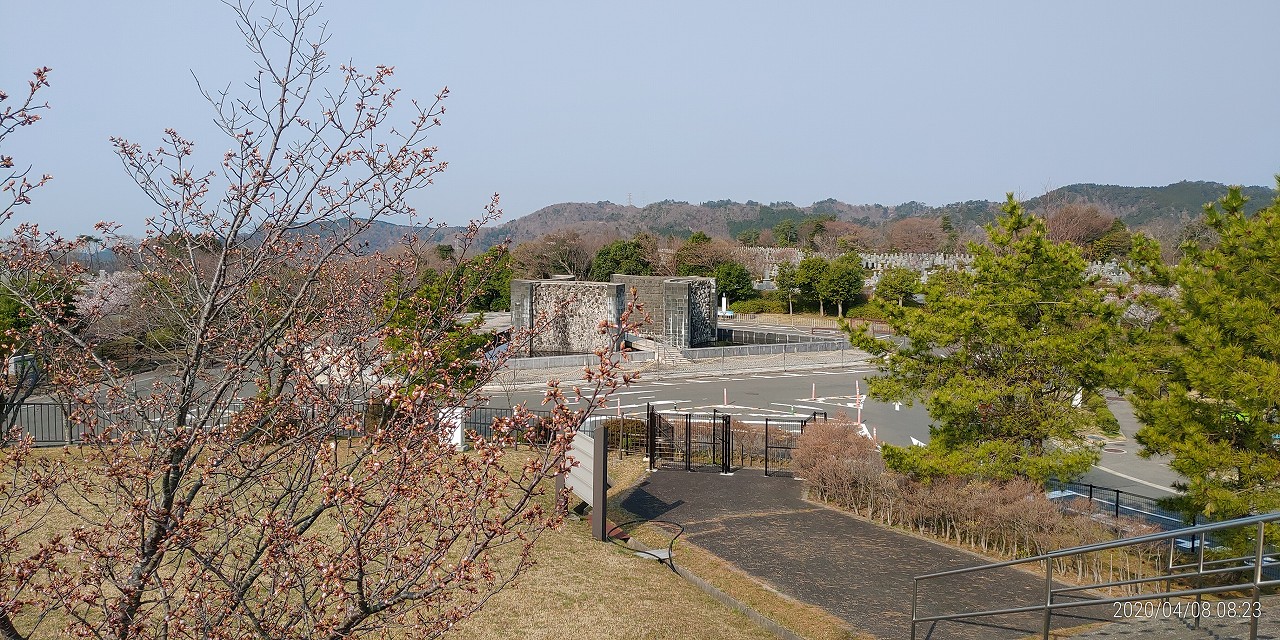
(766, 447)
(600, 484)
(1048, 597)
(1199, 574)
(1117, 503)
(1258, 557)
(651, 433)
(688, 441)
(726, 428)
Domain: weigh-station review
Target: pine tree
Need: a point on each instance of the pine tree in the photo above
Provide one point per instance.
(1210, 394)
(999, 355)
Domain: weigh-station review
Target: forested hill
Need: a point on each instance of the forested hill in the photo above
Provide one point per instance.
(1139, 205)
(1136, 206)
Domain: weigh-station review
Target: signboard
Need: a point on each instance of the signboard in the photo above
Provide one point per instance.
(587, 479)
(579, 478)
(21, 368)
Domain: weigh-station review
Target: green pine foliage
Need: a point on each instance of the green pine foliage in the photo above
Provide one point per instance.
(1209, 391)
(999, 354)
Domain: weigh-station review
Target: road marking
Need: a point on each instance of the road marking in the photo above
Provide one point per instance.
(800, 406)
(1133, 479)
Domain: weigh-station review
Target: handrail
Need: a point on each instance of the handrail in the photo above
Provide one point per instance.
(1115, 544)
(1093, 602)
(1252, 563)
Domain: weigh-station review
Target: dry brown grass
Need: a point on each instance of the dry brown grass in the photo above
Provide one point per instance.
(577, 588)
(583, 588)
(806, 620)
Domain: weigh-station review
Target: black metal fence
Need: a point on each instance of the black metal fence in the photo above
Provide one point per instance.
(692, 441)
(720, 442)
(1115, 503)
(48, 424)
(481, 420)
(781, 437)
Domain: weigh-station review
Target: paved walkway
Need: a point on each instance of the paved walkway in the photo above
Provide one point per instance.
(856, 570)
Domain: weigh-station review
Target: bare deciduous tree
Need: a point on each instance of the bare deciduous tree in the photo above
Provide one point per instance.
(1078, 223)
(294, 473)
(563, 252)
(16, 188)
(916, 235)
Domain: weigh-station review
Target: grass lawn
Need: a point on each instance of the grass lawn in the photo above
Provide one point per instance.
(583, 588)
(579, 587)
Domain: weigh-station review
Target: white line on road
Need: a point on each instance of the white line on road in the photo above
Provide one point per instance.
(800, 406)
(1133, 479)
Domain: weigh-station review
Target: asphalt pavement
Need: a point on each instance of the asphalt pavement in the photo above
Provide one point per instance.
(752, 393)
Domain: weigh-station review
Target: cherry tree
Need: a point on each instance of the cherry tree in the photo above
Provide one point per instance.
(293, 472)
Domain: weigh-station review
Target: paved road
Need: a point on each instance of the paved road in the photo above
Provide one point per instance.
(1122, 468)
(753, 396)
(757, 387)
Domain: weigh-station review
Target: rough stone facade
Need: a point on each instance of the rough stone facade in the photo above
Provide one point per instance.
(682, 311)
(702, 311)
(566, 314)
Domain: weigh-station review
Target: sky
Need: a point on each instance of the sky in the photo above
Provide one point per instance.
(586, 101)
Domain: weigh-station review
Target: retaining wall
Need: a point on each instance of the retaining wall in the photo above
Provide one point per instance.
(580, 360)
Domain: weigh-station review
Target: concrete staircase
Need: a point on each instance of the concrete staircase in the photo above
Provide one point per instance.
(1212, 627)
(667, 354)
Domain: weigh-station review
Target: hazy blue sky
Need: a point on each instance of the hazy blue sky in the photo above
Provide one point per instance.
(554, 102)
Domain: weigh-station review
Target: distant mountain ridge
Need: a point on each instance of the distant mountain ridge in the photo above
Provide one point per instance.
(1139, 205)
(1136, 206)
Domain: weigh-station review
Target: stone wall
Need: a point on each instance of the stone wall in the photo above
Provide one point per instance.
(682, 311)
(565, 314)
(702, 311)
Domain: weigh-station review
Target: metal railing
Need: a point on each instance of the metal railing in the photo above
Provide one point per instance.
(1117, 503)
(1259, 564)
(47, 423)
